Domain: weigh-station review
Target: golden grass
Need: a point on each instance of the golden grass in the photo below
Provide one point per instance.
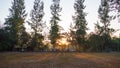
(59, 60)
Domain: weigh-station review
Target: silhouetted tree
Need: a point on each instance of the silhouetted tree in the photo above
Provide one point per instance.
(55, 28)
(25, 39)
(1, 25)
(115, 44)
(37, 24)
(104, 30)
(4, 40)
(72, 37)
(80, 22)
(115, 7)
(15, 22)
(94, 42)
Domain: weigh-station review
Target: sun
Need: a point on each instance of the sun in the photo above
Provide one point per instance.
(63, 41)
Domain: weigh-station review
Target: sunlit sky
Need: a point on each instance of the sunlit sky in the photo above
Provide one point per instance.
(66, 14)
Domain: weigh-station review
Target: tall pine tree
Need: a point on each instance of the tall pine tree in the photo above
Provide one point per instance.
(15, 21)
(37, 24)
(104, 29)
(55, 28)
(80, 22)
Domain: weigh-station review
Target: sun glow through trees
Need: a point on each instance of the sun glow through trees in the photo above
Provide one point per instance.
(63, 41)
(63, 44)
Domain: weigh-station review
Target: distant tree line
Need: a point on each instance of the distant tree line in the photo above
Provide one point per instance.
(14, 37)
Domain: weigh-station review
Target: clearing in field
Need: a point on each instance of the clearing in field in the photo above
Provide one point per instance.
(59, 60)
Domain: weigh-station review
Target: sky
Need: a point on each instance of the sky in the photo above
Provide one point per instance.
(66, 13)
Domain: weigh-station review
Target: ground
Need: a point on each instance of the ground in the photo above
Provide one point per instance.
(59, 60)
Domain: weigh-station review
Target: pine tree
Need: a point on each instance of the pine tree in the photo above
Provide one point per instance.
(36, 23)
(104, 17)
(115, 6)
(104, 29)
(55, 28)
(80, 22)
(72, 36)
(15, 21)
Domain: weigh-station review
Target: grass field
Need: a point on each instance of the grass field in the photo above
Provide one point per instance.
(59, 60)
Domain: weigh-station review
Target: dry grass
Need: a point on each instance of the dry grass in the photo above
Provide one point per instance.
(59, 60)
